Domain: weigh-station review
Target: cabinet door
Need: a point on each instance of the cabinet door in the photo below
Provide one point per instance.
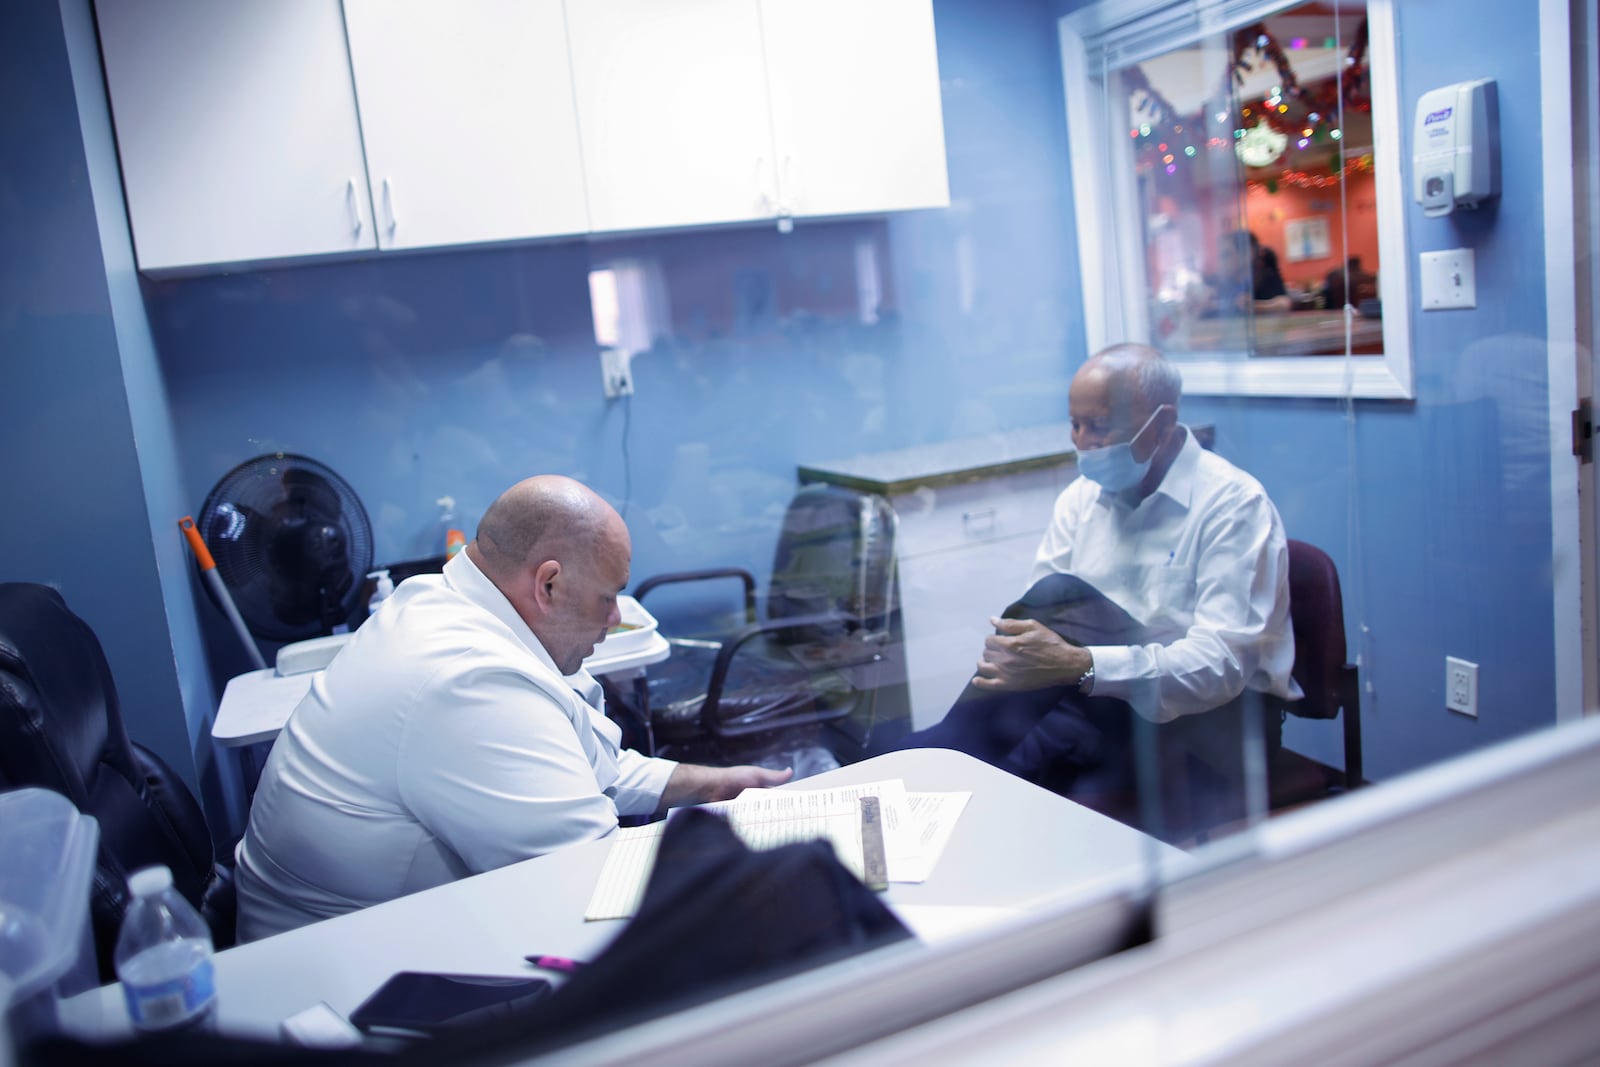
(236, 126)
(946, 599)
(672, 109)
(857, 119)
(965, 552)
(468, 121)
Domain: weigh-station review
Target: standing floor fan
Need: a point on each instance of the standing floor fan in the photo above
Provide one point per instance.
(292, 544)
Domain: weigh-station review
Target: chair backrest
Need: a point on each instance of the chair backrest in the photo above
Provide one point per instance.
(61, 728)
(1316, 611)
(836, 552)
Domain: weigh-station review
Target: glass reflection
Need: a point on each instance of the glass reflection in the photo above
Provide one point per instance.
(1253, 164)
(938, 343)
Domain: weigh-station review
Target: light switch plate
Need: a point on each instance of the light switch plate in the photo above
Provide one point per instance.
(1449, 279)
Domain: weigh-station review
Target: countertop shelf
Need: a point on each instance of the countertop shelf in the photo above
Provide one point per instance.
(965, 459)
(944, 463)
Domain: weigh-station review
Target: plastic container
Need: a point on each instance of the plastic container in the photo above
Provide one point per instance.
(632, 633)
(382, 587)
(455, 539)
(47, 851)
(163, 956)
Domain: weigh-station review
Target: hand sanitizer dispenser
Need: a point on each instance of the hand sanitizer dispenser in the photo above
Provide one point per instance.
(1457, 146)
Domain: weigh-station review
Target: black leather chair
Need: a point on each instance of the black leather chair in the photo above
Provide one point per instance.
(827, 649)
(61, 728)
(1332, 685)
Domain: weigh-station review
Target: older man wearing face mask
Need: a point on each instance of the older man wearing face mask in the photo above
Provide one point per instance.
(1158, 595)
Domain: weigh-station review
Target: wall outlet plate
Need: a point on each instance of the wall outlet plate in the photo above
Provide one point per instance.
(1461, 686)
(616, 372)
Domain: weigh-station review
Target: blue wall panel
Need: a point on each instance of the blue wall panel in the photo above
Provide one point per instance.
(1438, 511)
(71, 482)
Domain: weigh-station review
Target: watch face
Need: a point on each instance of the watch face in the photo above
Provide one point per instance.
(1261, 145)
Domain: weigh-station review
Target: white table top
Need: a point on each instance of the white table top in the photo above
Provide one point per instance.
(1014, 847)
(255, 705)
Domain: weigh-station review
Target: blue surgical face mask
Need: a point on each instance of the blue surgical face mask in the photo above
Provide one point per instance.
(1113, 467)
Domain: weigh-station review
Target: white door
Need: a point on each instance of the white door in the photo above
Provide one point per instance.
(672, 110)
(468, 120)
(856, 107)
(236, 126)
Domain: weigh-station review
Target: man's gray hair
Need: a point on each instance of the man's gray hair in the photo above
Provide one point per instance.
(1160, 381)
(1154, 377)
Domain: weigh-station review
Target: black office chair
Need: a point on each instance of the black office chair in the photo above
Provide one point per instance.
(828, 648)
(61, 729)
(1331, 684)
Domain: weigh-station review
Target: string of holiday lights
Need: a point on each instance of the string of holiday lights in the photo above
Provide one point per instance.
(1306, 115)
(1304, 179)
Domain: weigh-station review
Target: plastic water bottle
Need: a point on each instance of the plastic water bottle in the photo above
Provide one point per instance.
(163, 956)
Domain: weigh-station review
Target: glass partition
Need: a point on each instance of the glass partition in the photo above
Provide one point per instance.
(867, 456)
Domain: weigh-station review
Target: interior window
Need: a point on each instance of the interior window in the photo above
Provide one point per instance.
(1249, 201)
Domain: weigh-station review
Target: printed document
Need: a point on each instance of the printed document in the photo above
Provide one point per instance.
(915, 830)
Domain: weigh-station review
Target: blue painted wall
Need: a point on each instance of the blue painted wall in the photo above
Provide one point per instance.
(88, 447)
(459, 371)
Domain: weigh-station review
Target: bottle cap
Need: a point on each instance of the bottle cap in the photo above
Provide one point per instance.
(149, 881)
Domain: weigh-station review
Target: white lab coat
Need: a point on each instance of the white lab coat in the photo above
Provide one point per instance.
(440, 742)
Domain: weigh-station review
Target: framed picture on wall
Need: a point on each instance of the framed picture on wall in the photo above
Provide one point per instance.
(1306, 238)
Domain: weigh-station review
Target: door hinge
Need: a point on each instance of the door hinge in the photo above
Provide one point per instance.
(1583, 431)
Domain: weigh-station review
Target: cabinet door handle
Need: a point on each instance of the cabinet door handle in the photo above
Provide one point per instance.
(986, 516)
(388, 205)
(353, 205)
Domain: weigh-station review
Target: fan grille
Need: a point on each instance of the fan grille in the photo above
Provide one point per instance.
(292, 544)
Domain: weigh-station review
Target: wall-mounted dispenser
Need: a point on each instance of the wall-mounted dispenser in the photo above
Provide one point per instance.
(1456, 146)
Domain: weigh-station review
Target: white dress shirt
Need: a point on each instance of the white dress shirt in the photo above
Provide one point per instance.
(1203, 563)
(440, 742)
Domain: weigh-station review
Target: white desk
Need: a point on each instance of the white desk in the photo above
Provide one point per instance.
(1015, 846)
(256, 705)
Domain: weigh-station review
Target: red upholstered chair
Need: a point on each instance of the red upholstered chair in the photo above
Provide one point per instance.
(1331, 684)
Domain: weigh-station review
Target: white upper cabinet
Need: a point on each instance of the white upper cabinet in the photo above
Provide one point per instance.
(857, 121)
(263, 130)
(672, 108)
(707, 111)
(468, 120)
(236, 126)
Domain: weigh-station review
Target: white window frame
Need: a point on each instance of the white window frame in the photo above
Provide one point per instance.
(1111, 269)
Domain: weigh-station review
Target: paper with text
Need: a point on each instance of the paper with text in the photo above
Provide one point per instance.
(766, 818)
(933, 817)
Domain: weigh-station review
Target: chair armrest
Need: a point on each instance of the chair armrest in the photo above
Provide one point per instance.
(710, 722)
(678, 577)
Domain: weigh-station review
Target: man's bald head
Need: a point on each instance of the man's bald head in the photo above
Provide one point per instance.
(560, 555)
(549, 517)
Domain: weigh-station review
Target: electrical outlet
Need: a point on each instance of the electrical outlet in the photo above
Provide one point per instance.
(616, 372)
(1461, 686)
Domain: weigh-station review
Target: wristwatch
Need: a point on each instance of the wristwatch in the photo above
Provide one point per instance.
(1086, 681)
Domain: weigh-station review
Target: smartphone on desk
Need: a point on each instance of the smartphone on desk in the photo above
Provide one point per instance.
(421, 1004)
